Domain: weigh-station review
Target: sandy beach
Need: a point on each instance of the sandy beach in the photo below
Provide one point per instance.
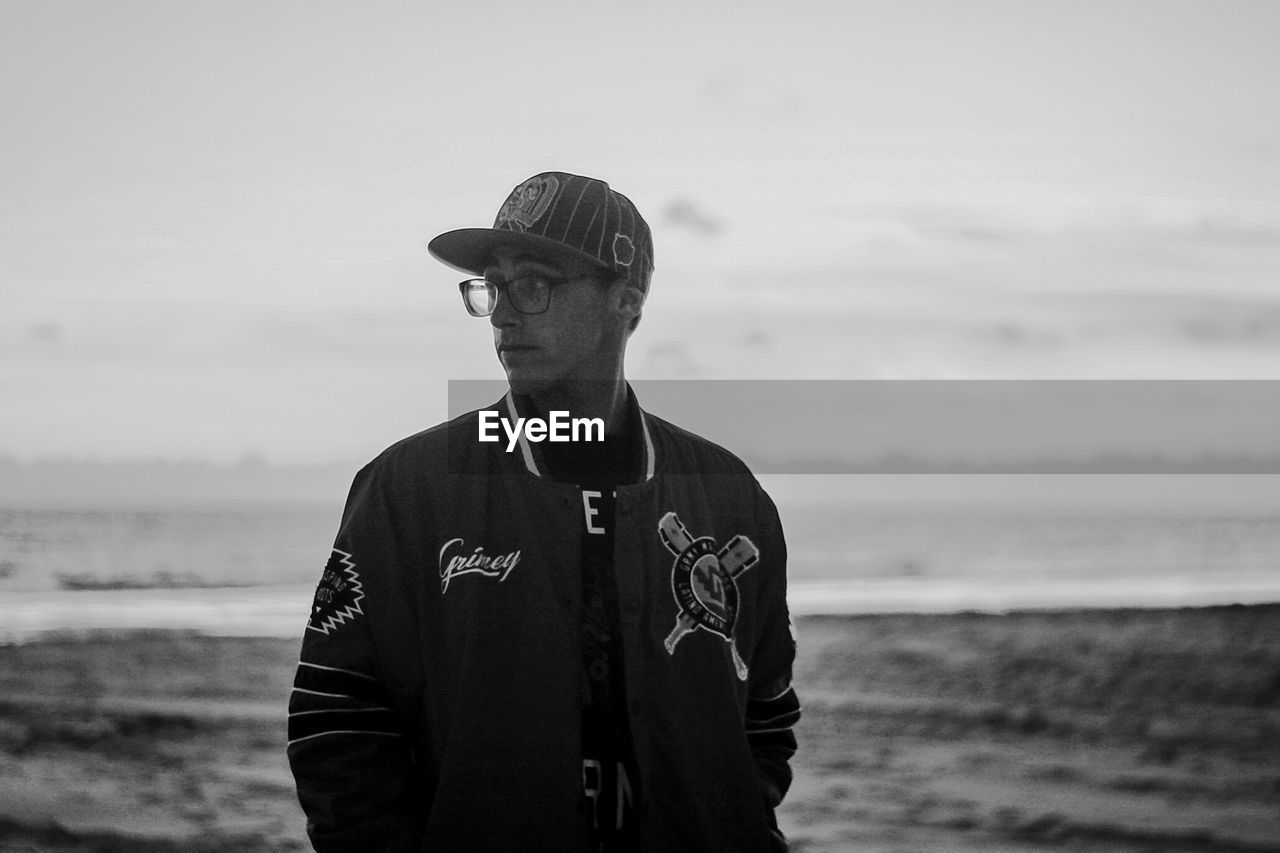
(1109, 730)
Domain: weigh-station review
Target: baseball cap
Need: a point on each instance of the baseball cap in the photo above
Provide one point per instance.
(562, 214)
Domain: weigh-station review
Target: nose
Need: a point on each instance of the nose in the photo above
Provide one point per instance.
(503, 314)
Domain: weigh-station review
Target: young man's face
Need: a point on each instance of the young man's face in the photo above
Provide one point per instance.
(578, 337)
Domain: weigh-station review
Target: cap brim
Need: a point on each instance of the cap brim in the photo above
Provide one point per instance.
(471, 249)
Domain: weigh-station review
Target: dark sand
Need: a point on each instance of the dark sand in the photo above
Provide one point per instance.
(1092, 730)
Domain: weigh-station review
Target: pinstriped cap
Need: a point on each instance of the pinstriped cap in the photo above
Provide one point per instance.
(561, 214)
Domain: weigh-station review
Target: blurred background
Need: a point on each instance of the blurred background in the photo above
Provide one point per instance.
(216, 304)
(216, 292)
(215, 215)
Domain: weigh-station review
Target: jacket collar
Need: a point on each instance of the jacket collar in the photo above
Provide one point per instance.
(538, 469)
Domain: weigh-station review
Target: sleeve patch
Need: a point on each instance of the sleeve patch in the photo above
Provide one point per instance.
(338, 594)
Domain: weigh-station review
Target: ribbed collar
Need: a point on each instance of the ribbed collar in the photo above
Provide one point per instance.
(536, 465)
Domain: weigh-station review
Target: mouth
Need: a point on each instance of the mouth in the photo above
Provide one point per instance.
(511, 349)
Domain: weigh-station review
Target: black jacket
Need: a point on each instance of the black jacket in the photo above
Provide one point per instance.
(436, 701)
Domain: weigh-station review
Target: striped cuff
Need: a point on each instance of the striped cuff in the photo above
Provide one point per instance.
(332, 701)
(775, 714)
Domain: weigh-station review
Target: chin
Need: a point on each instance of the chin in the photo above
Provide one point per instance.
(558, 390)
(529, 383)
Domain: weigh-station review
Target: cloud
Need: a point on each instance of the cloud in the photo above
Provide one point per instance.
(1003, 221)
(1016, 334)
(739, 98)
(43, 332)
(682, 213)
(1234, 324)
(1198, 320)
(1227, 231)
(983, 234)
(670, 358)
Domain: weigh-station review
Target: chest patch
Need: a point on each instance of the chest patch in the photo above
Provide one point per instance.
(704, 583)
(457, 559)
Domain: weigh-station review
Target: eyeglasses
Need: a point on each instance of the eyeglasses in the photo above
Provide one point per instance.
(530, 294)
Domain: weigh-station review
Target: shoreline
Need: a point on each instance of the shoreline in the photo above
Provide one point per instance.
(279, 610)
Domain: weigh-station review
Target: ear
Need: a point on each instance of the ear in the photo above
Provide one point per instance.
(629, 300)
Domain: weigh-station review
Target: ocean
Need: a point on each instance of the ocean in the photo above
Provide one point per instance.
(250, 571)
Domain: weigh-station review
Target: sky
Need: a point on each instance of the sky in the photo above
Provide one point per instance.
(213, 216)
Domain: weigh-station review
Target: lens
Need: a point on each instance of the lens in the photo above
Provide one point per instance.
(478, 296)
(530, 295)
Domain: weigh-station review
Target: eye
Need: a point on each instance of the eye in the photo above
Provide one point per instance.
(530, 285)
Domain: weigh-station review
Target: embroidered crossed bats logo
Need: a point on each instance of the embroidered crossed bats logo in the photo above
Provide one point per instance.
(704, 582)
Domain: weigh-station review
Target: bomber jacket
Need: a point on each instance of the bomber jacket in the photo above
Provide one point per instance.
(436, 702)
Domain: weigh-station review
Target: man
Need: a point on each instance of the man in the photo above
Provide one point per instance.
(538, 645)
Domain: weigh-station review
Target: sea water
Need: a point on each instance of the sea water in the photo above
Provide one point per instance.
(251, 570)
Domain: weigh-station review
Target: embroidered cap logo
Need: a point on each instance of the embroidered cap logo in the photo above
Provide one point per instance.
(527, 203)
(624, 251)
(704, 583)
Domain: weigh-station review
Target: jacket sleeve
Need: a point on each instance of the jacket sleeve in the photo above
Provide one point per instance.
(348, 748)
(773, 708)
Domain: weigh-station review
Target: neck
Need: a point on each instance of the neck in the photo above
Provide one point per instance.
(598, 398)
